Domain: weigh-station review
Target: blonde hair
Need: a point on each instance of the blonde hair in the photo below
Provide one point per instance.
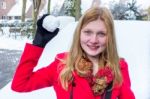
(110, 55)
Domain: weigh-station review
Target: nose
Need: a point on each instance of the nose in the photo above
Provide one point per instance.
(94, 39)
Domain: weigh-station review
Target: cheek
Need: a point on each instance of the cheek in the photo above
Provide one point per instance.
(83, 38)
(104, 40)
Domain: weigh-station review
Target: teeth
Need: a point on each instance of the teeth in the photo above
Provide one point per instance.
(93, 47)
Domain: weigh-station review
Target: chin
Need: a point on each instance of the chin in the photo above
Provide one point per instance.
(93, 54)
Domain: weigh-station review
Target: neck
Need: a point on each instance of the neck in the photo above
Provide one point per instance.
(95, 68)
(95, 63)
(93, 59)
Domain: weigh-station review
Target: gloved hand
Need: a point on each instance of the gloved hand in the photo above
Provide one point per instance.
(47, 28)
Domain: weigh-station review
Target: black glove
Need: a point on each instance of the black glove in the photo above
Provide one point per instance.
(43, 36)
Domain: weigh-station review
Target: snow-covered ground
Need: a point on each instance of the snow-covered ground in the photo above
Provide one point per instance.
(133, 39)
(11, 43)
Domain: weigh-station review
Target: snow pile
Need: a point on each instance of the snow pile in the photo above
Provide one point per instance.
(65, 20)
(13, 44)
(133, 40)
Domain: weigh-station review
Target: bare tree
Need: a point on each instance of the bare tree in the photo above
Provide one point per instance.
(23, 10)
(72, 8)
(126, 11)
(133, 7)
(148, 10)
(48, 6)
(36, 7)
(77, 9)
(119, 10)
(96, 3)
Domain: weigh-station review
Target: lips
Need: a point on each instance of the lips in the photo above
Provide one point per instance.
(93, 47)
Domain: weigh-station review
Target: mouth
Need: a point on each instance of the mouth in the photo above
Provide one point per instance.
(91, 47)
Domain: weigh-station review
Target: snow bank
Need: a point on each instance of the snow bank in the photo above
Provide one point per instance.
(13, 44)
(133, 40)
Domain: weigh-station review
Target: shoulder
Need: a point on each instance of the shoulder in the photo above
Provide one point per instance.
(62, 55)
(60, 59)
(125, 72)
(125, 92)
(123, 64)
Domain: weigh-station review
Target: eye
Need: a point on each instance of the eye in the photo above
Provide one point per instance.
(88, 32)
(101, 34)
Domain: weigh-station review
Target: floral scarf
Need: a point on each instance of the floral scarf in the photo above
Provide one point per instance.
(98, 82)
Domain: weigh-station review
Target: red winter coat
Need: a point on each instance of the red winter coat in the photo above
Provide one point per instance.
(25, 80)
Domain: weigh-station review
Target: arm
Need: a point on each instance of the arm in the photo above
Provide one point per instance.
(126, 92)
(25, 79)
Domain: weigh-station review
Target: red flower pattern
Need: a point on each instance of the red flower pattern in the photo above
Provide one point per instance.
(100, 81)
(107, 73)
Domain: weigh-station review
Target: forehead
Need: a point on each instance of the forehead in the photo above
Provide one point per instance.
(95, 25)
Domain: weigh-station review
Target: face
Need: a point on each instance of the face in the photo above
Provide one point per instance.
(93, 38)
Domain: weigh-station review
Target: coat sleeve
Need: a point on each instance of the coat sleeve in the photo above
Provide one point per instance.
(126, 92)
(25, 79)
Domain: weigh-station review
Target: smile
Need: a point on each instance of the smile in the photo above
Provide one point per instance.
(93, 47)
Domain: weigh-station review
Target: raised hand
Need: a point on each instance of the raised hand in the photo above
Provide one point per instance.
(47, 28)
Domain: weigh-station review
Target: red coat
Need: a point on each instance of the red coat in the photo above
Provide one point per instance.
(26, 80)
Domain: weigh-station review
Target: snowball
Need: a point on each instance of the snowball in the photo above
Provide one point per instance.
(50, 23)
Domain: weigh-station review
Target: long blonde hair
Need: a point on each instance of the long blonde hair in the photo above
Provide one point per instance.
(110, 55)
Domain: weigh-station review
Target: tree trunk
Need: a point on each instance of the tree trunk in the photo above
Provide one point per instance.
(96, 3)
(148, 13)
(23, 10)
(77, 9)
(48, 6)
(36, 7)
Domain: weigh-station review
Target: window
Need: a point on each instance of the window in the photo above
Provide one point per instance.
(2, 5)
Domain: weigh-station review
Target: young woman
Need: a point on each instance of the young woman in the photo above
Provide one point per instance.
(91, 69)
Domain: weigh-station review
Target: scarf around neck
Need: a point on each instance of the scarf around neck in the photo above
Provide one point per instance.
(98, 82)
